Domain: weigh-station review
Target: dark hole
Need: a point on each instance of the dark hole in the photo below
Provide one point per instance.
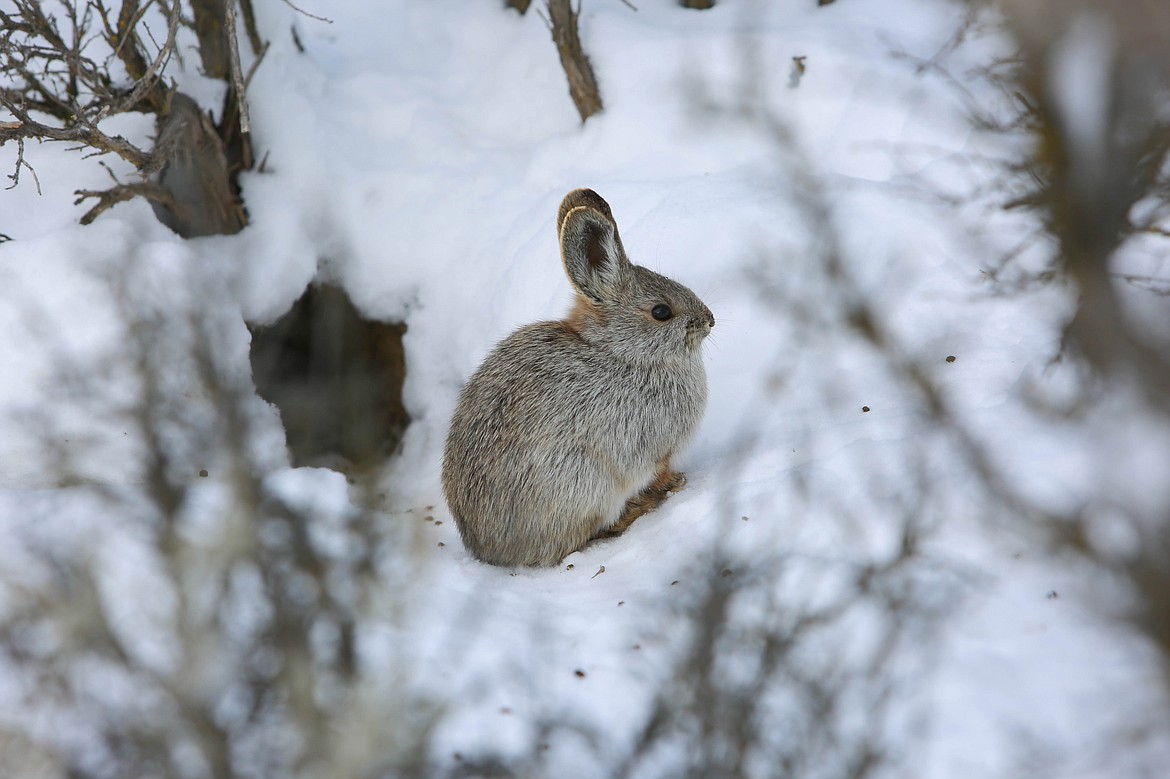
(336, 378)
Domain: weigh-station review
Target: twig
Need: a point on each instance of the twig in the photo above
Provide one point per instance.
(250, 26)
(109, 198)
(20, 160)
(255, 64)
(234, 61)
(129, 21)
(303, 12)
(147, 80)
(85, 134)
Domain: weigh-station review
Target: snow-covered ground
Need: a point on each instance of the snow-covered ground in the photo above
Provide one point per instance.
(415, 153)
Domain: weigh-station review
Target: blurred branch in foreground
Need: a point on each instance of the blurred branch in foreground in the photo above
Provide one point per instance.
(205, 620)
(1094, 77)
(1088, 84)
(1093, 80)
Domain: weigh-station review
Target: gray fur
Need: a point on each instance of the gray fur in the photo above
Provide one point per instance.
(566, 422)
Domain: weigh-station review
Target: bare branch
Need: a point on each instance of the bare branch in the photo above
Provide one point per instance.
(250, 26)
(303, 12)
(255, 64)
(21, 161)
(582, 83)
(148, 83)
(84, 134)
(234, 61)
(109, 198)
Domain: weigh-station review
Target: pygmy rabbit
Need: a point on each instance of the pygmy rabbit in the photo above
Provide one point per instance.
(567, 430)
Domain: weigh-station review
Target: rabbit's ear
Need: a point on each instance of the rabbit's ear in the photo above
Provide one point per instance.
(592, 253)
(583, 197)
(589, 199)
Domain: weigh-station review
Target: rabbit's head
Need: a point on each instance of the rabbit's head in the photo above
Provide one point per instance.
(633, 312)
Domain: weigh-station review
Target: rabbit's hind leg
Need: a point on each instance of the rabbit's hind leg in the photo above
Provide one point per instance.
(666, 483)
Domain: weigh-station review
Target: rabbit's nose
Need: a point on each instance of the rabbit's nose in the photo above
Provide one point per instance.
(710, 318)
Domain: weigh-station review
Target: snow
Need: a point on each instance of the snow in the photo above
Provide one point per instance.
(415, 154)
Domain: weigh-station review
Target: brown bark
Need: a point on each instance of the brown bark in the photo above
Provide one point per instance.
(210, 28)
(249, 15)
(196, 174)
(582, 83)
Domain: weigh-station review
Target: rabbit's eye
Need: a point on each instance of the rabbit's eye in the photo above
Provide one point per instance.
(661, 312)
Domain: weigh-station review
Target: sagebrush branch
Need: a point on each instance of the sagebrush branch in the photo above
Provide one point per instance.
(148, 81)
(109, 198)
(86, 134)
(237, 75)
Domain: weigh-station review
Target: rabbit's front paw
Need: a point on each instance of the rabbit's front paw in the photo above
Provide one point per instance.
(666, 484)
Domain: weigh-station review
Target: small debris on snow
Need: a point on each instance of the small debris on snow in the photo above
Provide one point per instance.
(797, 72)
(600, 571)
